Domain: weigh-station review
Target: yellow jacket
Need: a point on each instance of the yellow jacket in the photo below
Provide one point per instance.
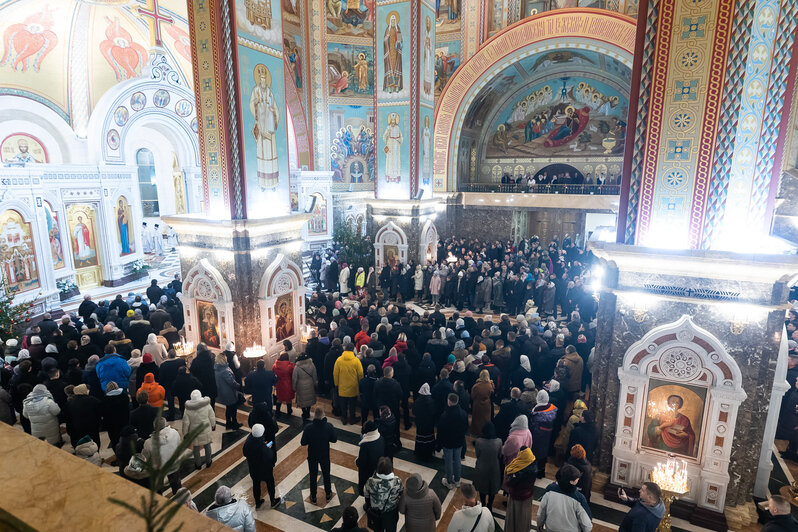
(360, 279)
(347, 374)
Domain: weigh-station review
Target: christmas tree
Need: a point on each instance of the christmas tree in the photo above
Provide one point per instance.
(12, 317)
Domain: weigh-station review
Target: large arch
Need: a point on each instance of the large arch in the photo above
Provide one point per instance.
(295, 108)
(598, 30)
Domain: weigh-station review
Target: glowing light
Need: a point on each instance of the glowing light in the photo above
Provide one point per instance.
(671, 476)
(256, 351)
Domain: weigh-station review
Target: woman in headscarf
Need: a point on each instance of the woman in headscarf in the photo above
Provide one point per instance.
(42, 411)
(424, 411)
(541, 421)
(519, 482)
(482, 407)
(155, 349)
(522, 372)
(519, 437)
(487, 472)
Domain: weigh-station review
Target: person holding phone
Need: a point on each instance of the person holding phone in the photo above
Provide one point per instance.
(261, 459)
(647, 511)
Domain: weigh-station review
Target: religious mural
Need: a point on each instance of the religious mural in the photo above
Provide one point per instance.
(263, 106)
(292, 53)
(54, 236)
(123, 54)
(291, 11)
(427, 63)
(394, 147)
(561, 117)
(22, 149)
(260, 20)
(447, 59)
(392, 141)
(284, 314)
(447, 15)
(17, 253)
(674, 416)
(352, 148)
(392, 84)
(425, 146)
(124, 226)
(208, 324)
(351, 70)
(350, 17)
(317, 225)
(82, 235)
(28, 42)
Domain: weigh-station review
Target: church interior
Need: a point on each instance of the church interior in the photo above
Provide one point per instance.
(507, 264)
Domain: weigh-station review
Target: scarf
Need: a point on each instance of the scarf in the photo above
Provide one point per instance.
(524, 459)
(374, 435)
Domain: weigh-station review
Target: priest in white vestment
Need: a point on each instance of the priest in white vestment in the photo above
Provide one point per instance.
(393, 148)
(263, 106)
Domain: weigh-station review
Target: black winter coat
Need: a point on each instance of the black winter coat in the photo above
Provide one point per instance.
(424, 411)
(402, 372)
(367, 458)
(202, 369)
(116, 414)
(318, 435)
(260, 384)
(262, 414)
(260, 458)
(184, 385)
(388, 392)
(167, 372)
(84, 415)
(452, 427)
(142, 419)
(586, 435)
(149, 367)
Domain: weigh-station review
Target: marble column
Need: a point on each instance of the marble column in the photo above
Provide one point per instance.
(700, 166)
(404, 51)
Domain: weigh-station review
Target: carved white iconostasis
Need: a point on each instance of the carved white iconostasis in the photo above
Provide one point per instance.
(282, 304)
(428, 243)
(207, 307)
(315, 198)
(390, 245)
(679, 359)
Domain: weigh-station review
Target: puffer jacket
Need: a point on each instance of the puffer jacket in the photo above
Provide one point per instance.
(169, 439)
(305, 381)
(236, 514)
(284, 388)
(154, 390)
(196, 413)
(42, 412)
(226, 385)
(89, 452)
(347, 374)
(113, 367)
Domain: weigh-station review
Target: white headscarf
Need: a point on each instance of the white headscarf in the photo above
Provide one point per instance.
(424, 390)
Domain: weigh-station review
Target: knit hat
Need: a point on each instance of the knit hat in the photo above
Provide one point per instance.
(451, 359)
(129, 313)
(12, 342)
(542, 397)
(578, 452)
(258, 430)
(223, 496)
(370, 426)
(147, 358)
(35, 340)
(49, 363)
(23, 354)
(196, 395)
(84, 439)
(51, 348)
(230, 347)
(81, 389)
(111, 386)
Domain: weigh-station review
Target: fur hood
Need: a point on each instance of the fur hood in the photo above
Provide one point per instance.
(195, 404)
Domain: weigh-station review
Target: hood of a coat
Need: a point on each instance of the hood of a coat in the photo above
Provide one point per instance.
(416, 487)
(195, 404)
(348, 356)
(86, 449)
(233, 511)
(658, 510)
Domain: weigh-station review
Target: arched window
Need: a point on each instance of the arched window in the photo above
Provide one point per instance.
(147, 187)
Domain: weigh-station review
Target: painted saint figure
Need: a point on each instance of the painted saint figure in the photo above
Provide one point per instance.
(82, 238)
(122, 221)
(362, 71)
(284, 326)
(428, 69)
(263, 106)
(23, 156)
(393, 55)
(426, 146)
(672, 431)
(393, 146)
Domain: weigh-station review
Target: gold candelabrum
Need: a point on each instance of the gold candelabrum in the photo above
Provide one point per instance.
(183, 349)
(671, 477)
(256, 351)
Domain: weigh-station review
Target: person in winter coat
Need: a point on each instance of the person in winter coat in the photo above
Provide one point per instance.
(781, 516)
(575, 365)
(128, 445)
(541, 424)
(233, 513)
(90, 378)
(113, 367)
(143, 417)
(585, 434)
(368, 403)
(134, 362)
(260, 384)
(452, 427)
(343, 280)
(227, 391)
(199, 413)
(166, 378)
(284, 370)
(146, 366)
(87, 449)
(7, 414)
(646, 512)
(518, 438)
(202, 369)
(519, 481)
(472, 517)
(305, 380)
(184, 384)
(42, 411)
(261, 457)
(382, 493)
(578, 459)
(388, 426)
(318, 435)
(435, 287)
(420, 505)
(349, 521)
(423, 410)
(481, 404)
(488, 473)
(84, 415)
(347, 373)
(563, 508)
(116, 411)
(565, 432)
(155, 391)
(372, 447)
(155, 349)
(521, 373)
(158, 455)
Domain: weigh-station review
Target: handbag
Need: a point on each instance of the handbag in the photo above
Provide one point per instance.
(476, 522)
(373, 515)
(135, 468)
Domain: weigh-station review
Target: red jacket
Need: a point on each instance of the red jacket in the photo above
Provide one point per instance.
(284, 371)
(400, 346)
(361, 338)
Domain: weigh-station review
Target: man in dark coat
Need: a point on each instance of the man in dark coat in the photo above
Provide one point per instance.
(202, 369)
(138, 330)
(87, 307)
(47, 326)
(166, 378)
(452, 427)
(402, 373)
(388, 392)
(142, 418)
(372, 448)
(440, 392)
(316, 351)
(585, 434)
(84, 415)
(184, 384)
(646, 512)
(260, 383)
(154, 292)
(781, 520)
(508, 411)
(318, 435)
(260, 460)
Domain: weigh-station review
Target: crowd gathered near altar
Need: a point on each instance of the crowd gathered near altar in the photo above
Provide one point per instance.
(487, 345)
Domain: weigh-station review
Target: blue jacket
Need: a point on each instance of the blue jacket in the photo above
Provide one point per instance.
(112, 367)
(642, 518)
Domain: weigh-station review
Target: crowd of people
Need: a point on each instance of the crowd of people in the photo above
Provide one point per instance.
(514, 385)
(560, 178)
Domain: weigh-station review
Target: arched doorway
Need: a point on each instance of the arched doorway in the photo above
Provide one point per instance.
(148, 189)
(549, 43)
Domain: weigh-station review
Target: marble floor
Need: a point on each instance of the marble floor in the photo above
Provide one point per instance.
(297, 513)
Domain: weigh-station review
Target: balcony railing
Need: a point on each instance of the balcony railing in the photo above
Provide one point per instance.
(599, 190)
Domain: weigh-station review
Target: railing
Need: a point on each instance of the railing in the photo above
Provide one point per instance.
(598, 190)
